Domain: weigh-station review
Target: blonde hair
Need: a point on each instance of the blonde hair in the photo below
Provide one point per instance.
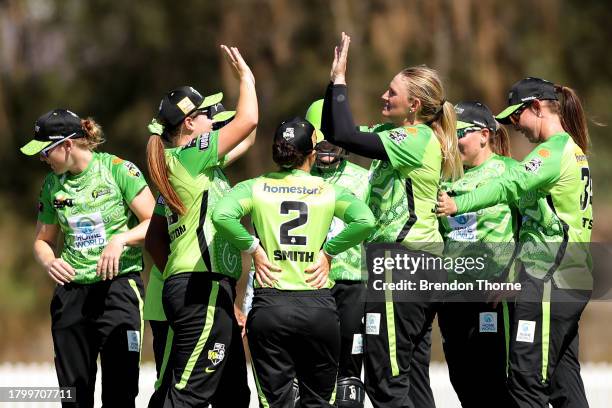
(423, 83)
(94, 136)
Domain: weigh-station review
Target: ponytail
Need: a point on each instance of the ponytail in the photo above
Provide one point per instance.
(424, 84)
(158, 171)
(445, 129)
(572, 116)
(93, 134)
(500, 141)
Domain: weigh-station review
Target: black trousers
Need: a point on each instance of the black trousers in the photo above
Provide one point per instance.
(397, 335)
(294, 334)
(350, 303)
(544, 363)
(207, 361)
(163, 337)
(420, 388)
(475, 341)
(102, 318)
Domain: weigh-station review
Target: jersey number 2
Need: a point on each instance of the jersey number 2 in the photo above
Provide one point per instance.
(285, 227)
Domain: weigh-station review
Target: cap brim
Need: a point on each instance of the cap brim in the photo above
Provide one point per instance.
(211, 100)
(34, 147)
(463, 125)
(320, 136)
(504, 116)
(223, 116)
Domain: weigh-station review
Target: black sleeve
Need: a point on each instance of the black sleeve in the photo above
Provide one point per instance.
(339, 128)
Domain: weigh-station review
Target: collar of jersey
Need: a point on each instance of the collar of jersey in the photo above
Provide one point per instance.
(481, 165)
(71, 176)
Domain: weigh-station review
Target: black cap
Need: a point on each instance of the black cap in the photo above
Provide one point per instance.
(524, 91)
(298, 132)
(52, 127)
(181, 102)
(474, 114)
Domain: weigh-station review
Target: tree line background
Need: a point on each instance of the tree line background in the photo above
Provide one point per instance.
(114, 60)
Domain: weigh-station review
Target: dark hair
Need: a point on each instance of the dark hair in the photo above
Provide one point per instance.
(572, 116)
(500, 141)
(287, 155)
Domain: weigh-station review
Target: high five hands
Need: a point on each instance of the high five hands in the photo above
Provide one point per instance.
(338, 70)
(446, 205)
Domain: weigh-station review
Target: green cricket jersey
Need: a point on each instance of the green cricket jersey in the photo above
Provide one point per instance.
(496, 224)
(91, 207)
(348, 264)
(553, 188)
(291, 213)
(195, 174)
(403, 190)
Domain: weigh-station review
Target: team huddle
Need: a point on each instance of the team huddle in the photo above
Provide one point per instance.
(441, 180)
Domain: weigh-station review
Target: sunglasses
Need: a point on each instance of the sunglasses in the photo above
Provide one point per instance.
(47, 150)
(461, 133)
(516, 115)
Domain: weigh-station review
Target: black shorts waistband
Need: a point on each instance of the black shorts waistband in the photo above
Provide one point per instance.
(292, 293)
(127, 275)
(214, 276)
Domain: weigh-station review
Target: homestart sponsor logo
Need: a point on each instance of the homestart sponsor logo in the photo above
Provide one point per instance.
(296, 256)
(291, 189)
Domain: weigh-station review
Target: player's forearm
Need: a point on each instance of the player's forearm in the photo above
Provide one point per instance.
(44, 253)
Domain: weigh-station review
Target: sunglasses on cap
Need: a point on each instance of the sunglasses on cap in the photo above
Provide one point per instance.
(47, 150)
(461, 133)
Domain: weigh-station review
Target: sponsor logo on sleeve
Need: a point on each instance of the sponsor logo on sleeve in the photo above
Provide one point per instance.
(397, 135)
(204, 141)
(533, 165)
(544, 153)
(61, 202)
(132, 169)
(160, 200)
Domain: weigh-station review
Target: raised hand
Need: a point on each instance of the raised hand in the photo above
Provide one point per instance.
(338, 70)
(240, 68)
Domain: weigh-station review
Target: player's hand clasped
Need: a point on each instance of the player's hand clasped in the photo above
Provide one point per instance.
(108, 264)
(446, 206)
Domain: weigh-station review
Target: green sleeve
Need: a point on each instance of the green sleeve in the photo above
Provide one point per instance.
(405, 146)
(128, 177)
(357, 217)
(533, 173)
(228, 212)
(46, 212)
(201, 153)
